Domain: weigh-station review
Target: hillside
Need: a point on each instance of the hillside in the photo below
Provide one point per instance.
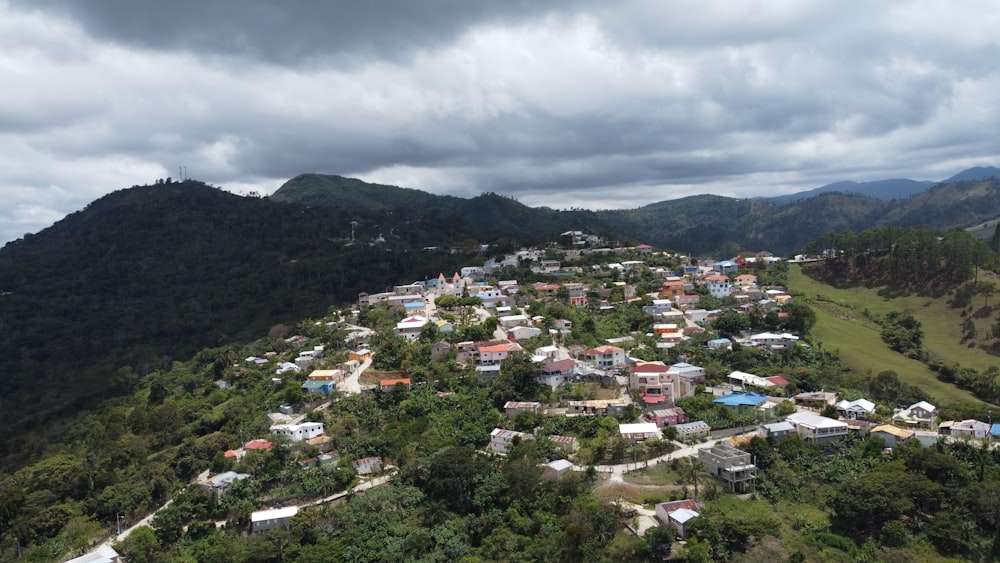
(154, 273)
(894, 188)
(734, 224)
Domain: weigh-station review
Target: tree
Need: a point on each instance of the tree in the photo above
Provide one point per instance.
(731, 324)
(140, 546)
(658, 541)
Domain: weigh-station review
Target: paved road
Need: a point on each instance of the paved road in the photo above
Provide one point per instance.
(351, 384)
(618, 471)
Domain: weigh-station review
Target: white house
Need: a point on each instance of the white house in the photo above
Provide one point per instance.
(637, 432)
(815, 428)
(263, 520)
(299, 432)
(718, 286)
(861, 409)
(502, 439)
(410, 327)
(525, 332)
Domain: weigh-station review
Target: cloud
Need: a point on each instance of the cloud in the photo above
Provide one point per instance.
(572, 105)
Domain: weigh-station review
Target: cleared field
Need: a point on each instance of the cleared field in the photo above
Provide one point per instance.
(842, 327)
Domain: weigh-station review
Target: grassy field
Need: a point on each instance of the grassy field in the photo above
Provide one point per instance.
(841, 326)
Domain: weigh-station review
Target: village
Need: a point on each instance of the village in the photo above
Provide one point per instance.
(628, 378)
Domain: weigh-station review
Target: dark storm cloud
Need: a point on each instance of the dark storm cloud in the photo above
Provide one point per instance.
(569, 105)
(286, 32)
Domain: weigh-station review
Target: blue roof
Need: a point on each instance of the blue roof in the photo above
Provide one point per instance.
(741, 399)
(995, 429)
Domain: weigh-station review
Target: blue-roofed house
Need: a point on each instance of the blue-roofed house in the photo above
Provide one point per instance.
(744, 403)
(995, 431)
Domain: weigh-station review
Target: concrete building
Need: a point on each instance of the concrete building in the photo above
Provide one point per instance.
(731, 465)
(263, 520)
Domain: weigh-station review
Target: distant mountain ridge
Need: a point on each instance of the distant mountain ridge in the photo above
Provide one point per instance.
(894, 188)
(734, 224)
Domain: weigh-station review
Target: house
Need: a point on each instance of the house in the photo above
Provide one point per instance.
(964, 429)
(525, 332)
(440, 349)
(672, 288)
(719, 344)
(263, 520)
(510, 321)
(918, 414)
(556, 468)
(860, 409)
(103, 554)
(410, 327)
(640, 431)
(361, 356)
(367, 465)
(322, 460)
(658, 384)
(567, 443)
(322, 443)
(778, 430)
(718, 286)
(221, 482)
(688, 431)
(550, 353)
(390, 384)
(577, 294)
(658, 306)
(493, 353)
(556, 373)
(745, 280)
(502, 439)
(774, 341)
(892, 435)
(678, 514)
(690, 373)
(670, 416)
(818, 429)
(597, 407)
(298, 432)
(744, 380)
(605, 357)
(726, 267)
(687, 300)
(815, 399)
(731, 465)
(514, 408)
(323, 387)
(742, 403)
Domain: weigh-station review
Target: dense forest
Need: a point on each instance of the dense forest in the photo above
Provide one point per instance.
(151, 274)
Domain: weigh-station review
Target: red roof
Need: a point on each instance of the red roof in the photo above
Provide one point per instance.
(391, 382)
(653, 399)
(258, 444)
(777, 380)
(560, 365)
(689, 504)
(716, 278)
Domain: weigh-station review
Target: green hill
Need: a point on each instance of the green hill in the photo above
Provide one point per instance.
(704, 224)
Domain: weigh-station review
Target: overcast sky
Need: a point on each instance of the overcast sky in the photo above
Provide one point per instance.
(575, 104)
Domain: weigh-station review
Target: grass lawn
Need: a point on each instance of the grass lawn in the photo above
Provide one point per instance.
(842, 327)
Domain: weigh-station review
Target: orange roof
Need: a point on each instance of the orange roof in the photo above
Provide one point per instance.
(498, 348)
(391, 382)
(716, 278)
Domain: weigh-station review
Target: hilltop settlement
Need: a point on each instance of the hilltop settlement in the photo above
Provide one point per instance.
(580, 401)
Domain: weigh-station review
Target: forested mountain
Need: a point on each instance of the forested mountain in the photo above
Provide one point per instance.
(733, 224)
(152, 273)
(894, 188)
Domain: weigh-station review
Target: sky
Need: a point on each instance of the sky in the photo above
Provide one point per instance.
(589, 104)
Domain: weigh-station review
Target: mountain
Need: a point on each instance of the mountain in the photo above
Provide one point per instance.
(488, 215)
(976, 173)
(152, 273)
(895, 188)
(681, 224)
